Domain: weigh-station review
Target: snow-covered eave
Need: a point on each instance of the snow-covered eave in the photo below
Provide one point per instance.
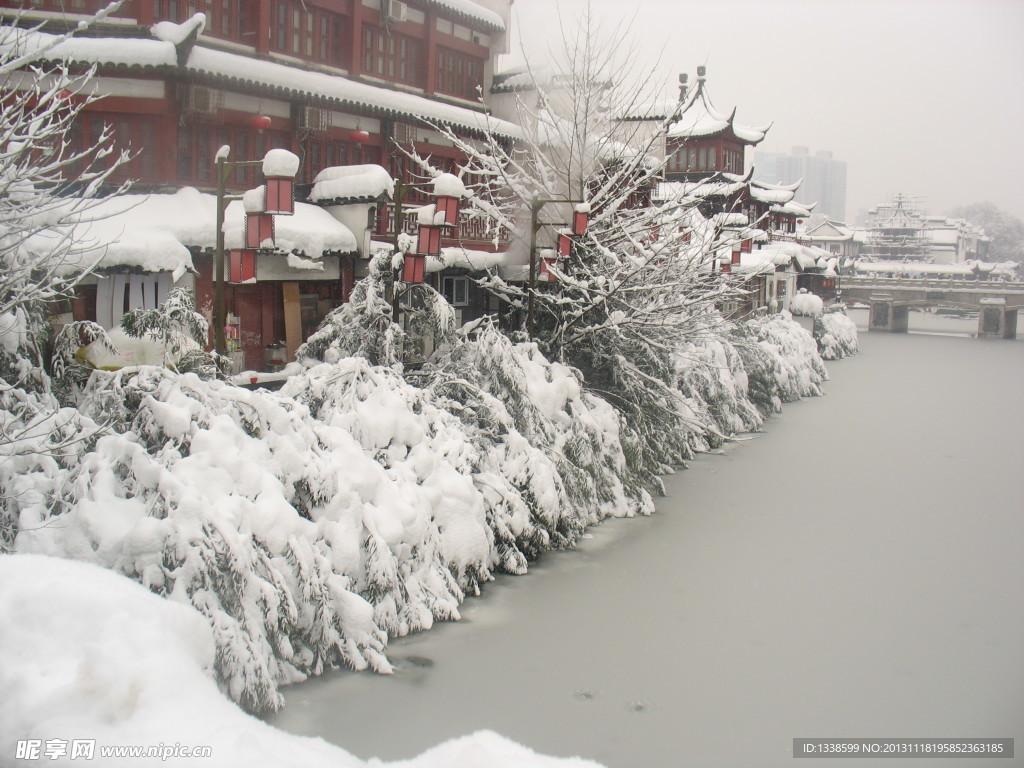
(793, 210)
(221, 68)
(467, 10)
(335, 90)
(707, 121)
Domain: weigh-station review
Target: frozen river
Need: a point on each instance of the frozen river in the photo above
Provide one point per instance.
(857, 570)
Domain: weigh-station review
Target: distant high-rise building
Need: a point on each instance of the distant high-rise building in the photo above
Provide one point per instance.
(824, 178)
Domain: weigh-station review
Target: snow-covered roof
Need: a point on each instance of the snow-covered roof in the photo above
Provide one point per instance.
(794, 210)
(830, 231)
(771, 193)
(467, 9)
(699, 117)
(351, 183)
(155, 232)
(227, 68)
(806, 257)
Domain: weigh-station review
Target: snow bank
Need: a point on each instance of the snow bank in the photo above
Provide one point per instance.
(87, 654)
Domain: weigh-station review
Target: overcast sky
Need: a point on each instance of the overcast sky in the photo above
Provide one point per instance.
(924, 97)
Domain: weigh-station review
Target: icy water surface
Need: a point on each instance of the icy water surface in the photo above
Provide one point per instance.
(857, 570)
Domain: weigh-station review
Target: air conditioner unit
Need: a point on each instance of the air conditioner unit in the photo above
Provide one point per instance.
(395, 10)
(199, 100)
(315, 120)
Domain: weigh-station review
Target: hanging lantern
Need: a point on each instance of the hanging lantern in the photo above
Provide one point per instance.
(746, 245)
(726, 269)
(414, 267)
(241, 265)
(429, 240)
(547, 261)
(259, 227)
(655, 233)
(359, 136)
(580, 220)
(564, 244)
(449, 206)
(261, 122)
(280, 195)
(735, 257)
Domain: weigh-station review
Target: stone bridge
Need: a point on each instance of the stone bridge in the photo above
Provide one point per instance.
(891, 299)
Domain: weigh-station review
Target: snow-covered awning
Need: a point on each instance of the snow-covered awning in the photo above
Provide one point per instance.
(351, 184)
(155, 233)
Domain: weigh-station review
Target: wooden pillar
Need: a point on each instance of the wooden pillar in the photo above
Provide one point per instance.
(292, 318)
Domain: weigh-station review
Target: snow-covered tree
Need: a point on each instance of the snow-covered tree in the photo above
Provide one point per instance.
(47, 189)
(641, 281)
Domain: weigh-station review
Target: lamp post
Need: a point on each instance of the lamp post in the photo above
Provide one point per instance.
(280, 166)
(580, 222)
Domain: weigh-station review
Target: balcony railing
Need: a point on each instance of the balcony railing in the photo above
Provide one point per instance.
(470, 231)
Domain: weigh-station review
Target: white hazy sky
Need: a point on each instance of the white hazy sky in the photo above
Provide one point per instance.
(924, 97)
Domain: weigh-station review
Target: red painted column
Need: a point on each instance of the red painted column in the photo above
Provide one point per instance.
(431, 45)
(356, 62)
(265, 16)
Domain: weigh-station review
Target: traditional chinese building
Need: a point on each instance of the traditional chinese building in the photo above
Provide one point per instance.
(337, 82)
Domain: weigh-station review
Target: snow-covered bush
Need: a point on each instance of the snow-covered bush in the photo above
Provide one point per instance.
(200, 492)
(796, 367)
(836, 333)
(713, 377)
(806, 304)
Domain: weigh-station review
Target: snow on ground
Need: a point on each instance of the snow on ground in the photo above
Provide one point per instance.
(86, 654)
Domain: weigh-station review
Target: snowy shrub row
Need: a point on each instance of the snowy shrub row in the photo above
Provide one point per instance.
(362, 500)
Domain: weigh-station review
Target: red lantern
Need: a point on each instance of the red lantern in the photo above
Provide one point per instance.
(655, 234)
(261, 122)
(449, 206)
(414, 267)
(280, 197)
(580, 220)
(241, 265)
(258, 228)
(546, 263)
(359, 136)
(564, 244)
(746, 245)
(430, 240)
(726, 269)
(735, 257)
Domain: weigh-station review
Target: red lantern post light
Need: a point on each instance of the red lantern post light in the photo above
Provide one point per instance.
(259, 227)
(241, 265)
(429, 240)
(449, 206)
(547, 261)
(564, 244)
(414, 267)
(581, 219)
